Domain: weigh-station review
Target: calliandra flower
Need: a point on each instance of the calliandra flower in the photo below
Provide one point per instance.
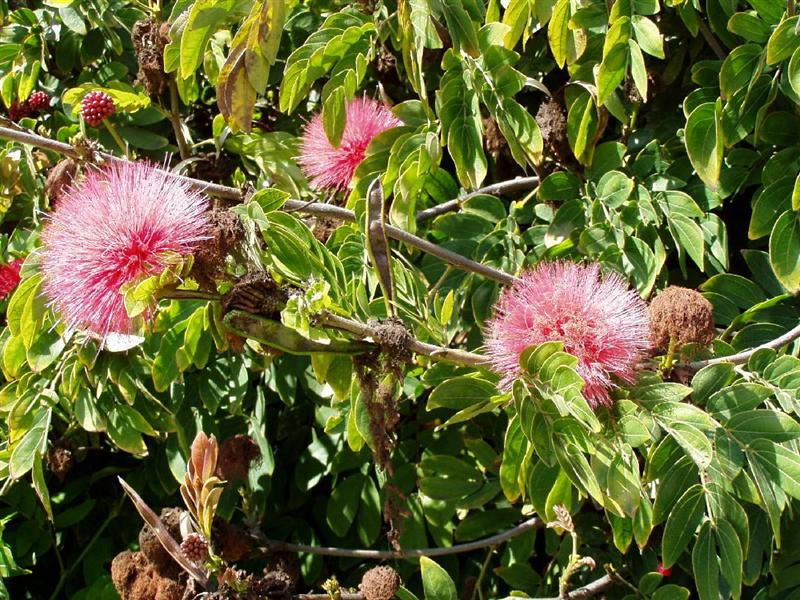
(599, 319)
(9, 277)
(329, 167)
(115, 226)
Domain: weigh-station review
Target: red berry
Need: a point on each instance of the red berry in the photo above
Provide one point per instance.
(662, 571)
(18, 110)
(39, 101)
(97, 106)
(195, 547)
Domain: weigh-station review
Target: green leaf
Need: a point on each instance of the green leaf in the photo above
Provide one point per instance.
(460, 392)
(731, 556)
(40, 486)
(514, 449)
(648, 36)
(681, 524)
(689, 236)
(638, 69)
(783, 41)
(782, 465)
(204, 18)
(739, 69)
(436, 583)
(615, 59)
(460, 26)
(704, 564)
(343, 504)
(784, 250)
(577, 468)
(763, 423)
(704, 142)
(567, 45)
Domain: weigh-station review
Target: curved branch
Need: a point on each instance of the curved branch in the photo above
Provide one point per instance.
(309, 208)
(743, 357)
(520, 183)
(494, 540)
(451, 355)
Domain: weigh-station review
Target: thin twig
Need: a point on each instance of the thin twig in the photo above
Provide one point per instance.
(452, 355)
(277, 545)
(712, 41)
(502, 187)
(312, 208)
(175, 119)
(590, 589)
(743, 357)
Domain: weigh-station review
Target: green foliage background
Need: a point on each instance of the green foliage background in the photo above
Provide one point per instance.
(676, 162)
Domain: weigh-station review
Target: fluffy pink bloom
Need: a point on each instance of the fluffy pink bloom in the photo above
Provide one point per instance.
(329, 167)
(112, 227)
(9, 277)
(599, 318)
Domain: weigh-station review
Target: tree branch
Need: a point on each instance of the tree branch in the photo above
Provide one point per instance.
(520, 183)
(310, 208)
(494, 540)
(743, 357)
(712, 41)
(451, 355)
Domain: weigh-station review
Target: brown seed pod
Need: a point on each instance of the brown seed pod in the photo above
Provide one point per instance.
(235, 457)
(225, 234)
(256, 293)
(232, 543)
(380, 583)
(552, 120)
(148, 43)
(60, 459)
(59, 179)
(682, 314)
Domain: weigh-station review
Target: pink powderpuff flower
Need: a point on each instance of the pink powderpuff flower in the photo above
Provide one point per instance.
(113, 227)
(599, 319)
(9, 277)
(328, 167)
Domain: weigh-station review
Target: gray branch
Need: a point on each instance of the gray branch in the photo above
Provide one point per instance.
(451, 355)
(494, 540)
(743, 357)
(502, 187)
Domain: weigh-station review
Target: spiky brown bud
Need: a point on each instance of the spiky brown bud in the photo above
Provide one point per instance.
(380, 583)
(682, 314)
(195, 547)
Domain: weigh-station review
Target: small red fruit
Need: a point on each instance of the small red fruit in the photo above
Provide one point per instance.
(18, 110)
(662, 571)
(97, 106)
(39, 101)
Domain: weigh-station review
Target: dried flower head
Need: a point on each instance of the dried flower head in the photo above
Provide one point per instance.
(599, 319)
(114, 227)
(681, 315)
(9, 277)
(330, 167)
(380, 583)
